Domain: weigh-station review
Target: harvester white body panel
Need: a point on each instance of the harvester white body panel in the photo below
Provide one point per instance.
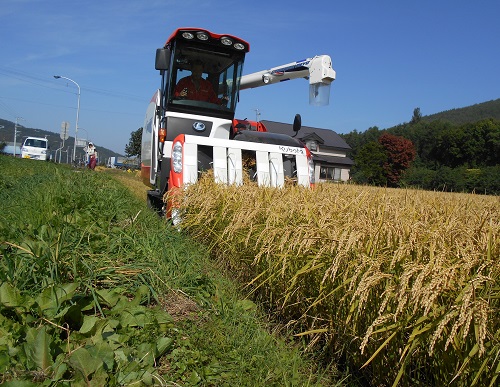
(228, 166)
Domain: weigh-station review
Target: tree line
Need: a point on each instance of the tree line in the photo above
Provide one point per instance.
(435, 155)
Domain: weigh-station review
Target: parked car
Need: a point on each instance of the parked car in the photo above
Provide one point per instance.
(36, 148)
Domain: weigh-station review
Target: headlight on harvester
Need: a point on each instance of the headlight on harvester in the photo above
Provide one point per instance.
(187, 35)
(177, 157)
(226, 41)
(202, 35)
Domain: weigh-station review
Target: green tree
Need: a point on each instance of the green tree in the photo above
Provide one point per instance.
(491, 136)
(450, 179)
(356, 140)
(419, 177)
(370, 162)
(417, 116)
(133, 148)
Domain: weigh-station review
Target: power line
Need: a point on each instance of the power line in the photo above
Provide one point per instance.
(8, 109)
(67, 107)
(43, 81)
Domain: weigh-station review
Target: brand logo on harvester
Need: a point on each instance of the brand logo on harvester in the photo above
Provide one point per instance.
(292, 150)
(300, 65)
(199, 126)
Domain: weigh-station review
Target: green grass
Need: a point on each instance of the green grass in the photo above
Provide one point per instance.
(97, 290)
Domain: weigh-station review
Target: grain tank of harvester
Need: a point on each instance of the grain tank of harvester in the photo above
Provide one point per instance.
(183, 136)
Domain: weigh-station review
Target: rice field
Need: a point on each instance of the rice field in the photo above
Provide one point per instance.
(399, 285)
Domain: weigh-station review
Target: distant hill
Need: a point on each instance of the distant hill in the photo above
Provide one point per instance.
(7, 136)
(474, 113)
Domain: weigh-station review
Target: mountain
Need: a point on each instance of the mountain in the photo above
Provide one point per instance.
(7, 136)
(468, 114)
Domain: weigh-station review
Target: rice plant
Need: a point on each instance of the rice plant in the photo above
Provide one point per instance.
(400, 284)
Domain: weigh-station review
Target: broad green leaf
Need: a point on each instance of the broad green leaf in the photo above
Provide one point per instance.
(147, 378)
(110, 297)
(116, 340)
(141, 292)
(103, 351)
(51, 299)
(60, 367)
(121, 356)
(126, 378)
(134, 317)
(10, 296)
(83, 361)
(194, 378)
(146, 354)
(246, 305)
(89, 323)
(161, 316)
(37, 347)
(163, 344)
(100, 378)
(60, 312)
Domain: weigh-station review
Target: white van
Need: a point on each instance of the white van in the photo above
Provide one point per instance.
(36, 148)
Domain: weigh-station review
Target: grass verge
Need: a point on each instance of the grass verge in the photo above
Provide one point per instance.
(97, 290)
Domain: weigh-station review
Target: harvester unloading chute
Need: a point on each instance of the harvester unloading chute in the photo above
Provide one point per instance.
(318, 70)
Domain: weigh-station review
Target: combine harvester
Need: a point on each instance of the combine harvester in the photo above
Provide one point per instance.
(183, 136)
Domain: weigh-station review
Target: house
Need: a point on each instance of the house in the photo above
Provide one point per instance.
(328, 148)
(9, 149)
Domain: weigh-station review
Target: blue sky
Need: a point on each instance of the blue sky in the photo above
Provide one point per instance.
(390, 57)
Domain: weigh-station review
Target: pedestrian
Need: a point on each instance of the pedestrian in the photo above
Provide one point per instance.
(91, 156)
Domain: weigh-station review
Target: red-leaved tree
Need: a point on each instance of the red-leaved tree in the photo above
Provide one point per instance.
(400, 153)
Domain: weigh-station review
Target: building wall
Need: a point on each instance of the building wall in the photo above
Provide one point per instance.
(344, 173)
(9, 150)
(345, 170)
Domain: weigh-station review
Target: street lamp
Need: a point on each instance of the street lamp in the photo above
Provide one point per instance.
(77, 112)
(87, 133)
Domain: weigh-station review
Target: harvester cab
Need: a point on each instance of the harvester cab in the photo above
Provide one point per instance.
(221, 58)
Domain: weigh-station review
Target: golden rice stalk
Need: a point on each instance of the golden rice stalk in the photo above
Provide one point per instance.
(356, 260)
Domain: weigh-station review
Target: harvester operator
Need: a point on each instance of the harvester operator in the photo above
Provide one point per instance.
(194, 87)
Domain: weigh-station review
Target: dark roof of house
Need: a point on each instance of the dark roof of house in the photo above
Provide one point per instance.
(333, 159)
(329, 137)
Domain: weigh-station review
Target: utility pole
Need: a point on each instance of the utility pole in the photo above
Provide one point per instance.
(257, 115)
(15, 133)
